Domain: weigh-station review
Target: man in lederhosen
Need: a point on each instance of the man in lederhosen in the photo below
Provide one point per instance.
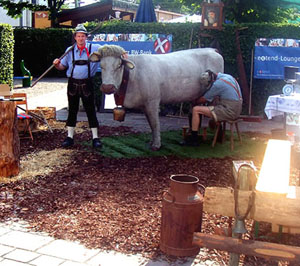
(80, 72)
(227, 107)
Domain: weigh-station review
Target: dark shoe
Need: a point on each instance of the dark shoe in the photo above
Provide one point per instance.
(68, 142)
(97, 143)
(190, 141)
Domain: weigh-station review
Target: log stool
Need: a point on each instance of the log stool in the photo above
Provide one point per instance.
(9, 140)
(232, 124)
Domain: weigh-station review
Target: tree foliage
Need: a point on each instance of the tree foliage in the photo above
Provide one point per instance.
(170, 5)
(54, 8)
(256, 11)
(244, 11)
(240, 11)
(15, 10)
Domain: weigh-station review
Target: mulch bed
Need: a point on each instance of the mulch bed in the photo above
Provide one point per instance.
(105, 203)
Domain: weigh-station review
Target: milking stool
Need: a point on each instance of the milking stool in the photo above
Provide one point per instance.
(232, 124)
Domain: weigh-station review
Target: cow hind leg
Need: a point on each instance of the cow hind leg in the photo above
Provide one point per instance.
(152, 115)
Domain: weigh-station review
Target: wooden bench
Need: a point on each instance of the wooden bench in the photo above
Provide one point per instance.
(274, 201)
(26, 80)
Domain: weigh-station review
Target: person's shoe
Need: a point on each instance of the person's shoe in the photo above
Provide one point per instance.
(190, 141)
(97, 143)
(68, 142)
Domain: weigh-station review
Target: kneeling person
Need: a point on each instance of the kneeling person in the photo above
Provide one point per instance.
(228, 107)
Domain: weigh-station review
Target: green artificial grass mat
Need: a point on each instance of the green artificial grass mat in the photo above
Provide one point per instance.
(137, 145)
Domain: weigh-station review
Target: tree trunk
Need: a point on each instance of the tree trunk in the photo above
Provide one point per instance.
(241, 70)
(9, 140)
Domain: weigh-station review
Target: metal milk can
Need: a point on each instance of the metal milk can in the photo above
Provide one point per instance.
(182, 207)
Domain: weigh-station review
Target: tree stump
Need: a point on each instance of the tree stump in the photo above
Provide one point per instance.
(9, 140)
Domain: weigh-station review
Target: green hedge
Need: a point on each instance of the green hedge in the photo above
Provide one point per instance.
(6, 54)
(38, 47)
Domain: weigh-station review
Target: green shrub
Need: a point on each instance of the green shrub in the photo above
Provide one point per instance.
(38, 48)
(6, 54)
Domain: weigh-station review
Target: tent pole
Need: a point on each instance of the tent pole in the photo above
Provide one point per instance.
(191, 38)
(251, 82)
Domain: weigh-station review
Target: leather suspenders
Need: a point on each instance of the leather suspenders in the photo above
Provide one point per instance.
(235, 87)
(81, 62)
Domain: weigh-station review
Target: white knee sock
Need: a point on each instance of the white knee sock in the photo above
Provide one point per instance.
(71, 132)
(94, 132)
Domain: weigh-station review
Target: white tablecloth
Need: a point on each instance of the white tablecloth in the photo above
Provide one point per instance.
(278, 105)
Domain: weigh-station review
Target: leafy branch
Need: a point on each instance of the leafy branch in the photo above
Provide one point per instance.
(15, 10)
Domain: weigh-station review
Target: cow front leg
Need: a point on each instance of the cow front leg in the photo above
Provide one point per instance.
(152, 114)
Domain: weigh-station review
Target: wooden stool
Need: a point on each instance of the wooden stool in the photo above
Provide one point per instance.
(185, 131)
(232, 123)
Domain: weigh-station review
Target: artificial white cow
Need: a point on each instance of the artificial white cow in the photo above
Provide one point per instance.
(156, 78)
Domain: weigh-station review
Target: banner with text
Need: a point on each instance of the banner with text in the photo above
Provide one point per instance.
(272, 55)
(133, 44)
(137, 43)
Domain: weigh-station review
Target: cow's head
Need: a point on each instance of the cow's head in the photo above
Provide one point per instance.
(112, 61)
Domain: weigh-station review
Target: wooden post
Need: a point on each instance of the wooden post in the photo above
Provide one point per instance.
(248, 247)
(268, 207)
(242, 175)
(9, 140)
(241, 68)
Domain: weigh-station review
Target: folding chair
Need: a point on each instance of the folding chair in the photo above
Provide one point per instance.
(4, 90)
(21, 100)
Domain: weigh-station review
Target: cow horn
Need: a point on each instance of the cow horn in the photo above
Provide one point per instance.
(95, 57)
(128, 63)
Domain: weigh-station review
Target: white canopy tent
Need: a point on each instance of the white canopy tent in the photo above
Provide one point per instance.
(188, 18)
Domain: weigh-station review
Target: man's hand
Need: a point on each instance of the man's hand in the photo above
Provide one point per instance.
(198, 101)
(56, 61)
(216, 101)
(58, 65)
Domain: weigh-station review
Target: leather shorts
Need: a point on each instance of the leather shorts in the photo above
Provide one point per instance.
(80, 87)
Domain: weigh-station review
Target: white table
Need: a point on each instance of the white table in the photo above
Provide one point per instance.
(281, 105)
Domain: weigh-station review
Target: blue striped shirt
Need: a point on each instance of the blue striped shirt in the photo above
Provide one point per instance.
(226, 87)
(80, 72)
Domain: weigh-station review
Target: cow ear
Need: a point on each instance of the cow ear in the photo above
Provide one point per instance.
(128, 63)
(94, 57)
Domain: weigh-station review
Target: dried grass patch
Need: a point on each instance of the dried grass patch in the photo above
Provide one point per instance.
(44, 162)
